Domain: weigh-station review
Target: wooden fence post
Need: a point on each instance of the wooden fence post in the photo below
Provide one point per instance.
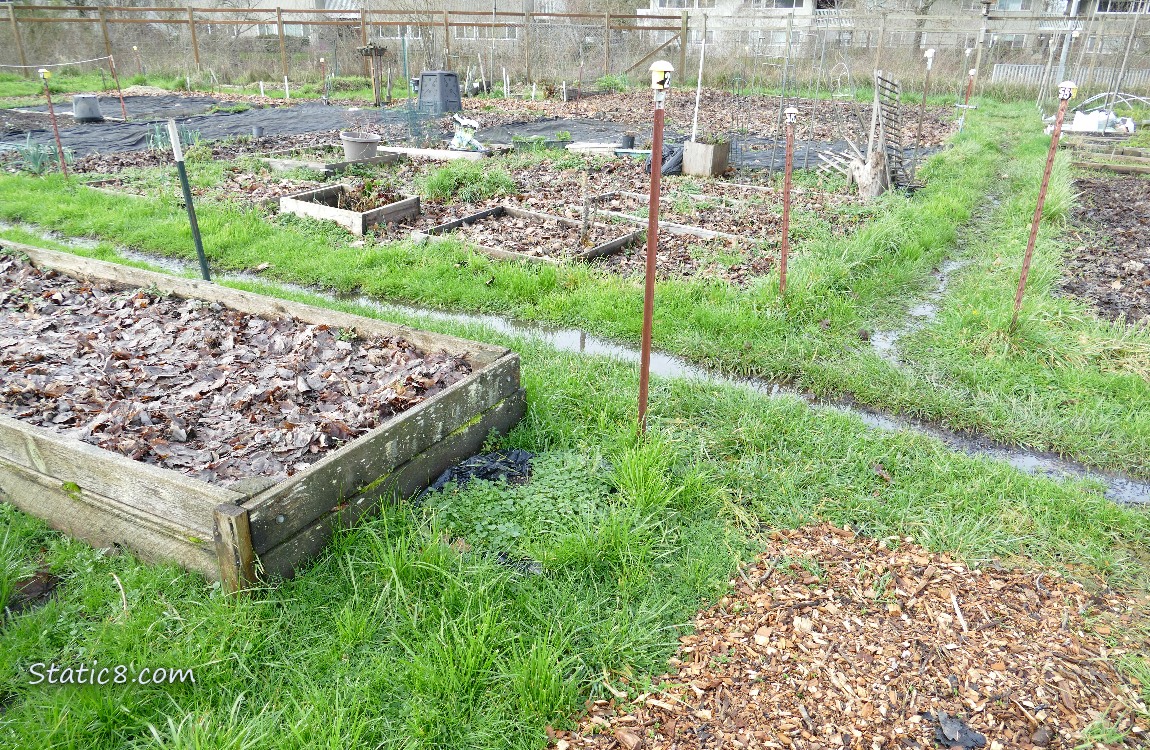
(104, 30)
(607, 43)
(527, 46)
(233, 537)
(283, 43)
(363, 40)
(195, 39)
(683, 31)
(881, 36)
(19, 42)
(447, 41)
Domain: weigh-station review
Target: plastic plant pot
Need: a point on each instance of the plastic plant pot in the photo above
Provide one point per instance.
(358, 146)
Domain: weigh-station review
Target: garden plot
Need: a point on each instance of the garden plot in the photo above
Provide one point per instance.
(138, 403)
(514, 234)
(687, 256)
(1109, 263)
(354, 206)
(720, 113)
(325, 159)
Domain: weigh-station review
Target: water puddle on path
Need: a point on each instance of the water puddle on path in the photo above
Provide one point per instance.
(885, 343)
(1120, 489)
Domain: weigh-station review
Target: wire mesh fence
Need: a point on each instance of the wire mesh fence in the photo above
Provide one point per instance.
(1019, 56)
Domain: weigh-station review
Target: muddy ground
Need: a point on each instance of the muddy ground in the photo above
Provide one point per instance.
(1108, 265)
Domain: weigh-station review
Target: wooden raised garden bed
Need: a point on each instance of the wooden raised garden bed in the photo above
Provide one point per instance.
(321, 203)
(327, 160)
(610, 238)
(256, 527)
(669, 226)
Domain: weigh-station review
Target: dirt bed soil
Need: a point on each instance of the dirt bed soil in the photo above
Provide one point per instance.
(539, 238)
(191, 386)
(1109, 265)
(834, 641)
(112, 163)
(685, 256)
(720, 112)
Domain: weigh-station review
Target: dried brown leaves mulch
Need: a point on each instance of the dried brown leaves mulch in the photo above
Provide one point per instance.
(539, 238)
(832, 640)
(1110, 265)
(720, 112)
(195, 387)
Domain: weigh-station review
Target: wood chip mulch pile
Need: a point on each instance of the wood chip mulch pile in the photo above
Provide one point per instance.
(832, 640)
(193, 386)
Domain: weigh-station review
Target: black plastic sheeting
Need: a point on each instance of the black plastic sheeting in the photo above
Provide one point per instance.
(158, 107)
(514, 466)
(672, 161)
(110, 137)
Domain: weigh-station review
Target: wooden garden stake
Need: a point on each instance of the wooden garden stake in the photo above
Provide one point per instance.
(119, 91)
(45, 74)
(1066, 91)
(660, 82)
(792, 114)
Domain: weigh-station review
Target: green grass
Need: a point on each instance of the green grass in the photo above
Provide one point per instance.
(400, 636)
(1063, 382)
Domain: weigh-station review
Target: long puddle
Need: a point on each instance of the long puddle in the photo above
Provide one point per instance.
(1118, 488)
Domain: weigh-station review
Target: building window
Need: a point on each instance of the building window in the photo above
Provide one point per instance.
(1119, 6)
(776, 4)
(696, 37)
(397, 32)
(1013, 41)
(901, 38)
(679, 4)
(845, 39)
(498, 33)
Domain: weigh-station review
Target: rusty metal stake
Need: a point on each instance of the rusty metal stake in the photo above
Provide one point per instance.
(1066, 91)
(792, 114)
(119, 91)
(660, 82)
(45, 74)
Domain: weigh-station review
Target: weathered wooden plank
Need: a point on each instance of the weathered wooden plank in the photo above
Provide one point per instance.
(282, 161)
(478, 354)
(104, 521)
(320, 203)
(1116, 168)
(407, 479)
(436, 154)
(233, 538)
(281, 511)
(151, 490)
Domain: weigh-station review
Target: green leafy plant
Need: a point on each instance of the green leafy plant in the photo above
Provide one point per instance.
(467, 181)
(198, 153)
(39, 158)
(158, 139)
(562, 135)
(612, 83)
